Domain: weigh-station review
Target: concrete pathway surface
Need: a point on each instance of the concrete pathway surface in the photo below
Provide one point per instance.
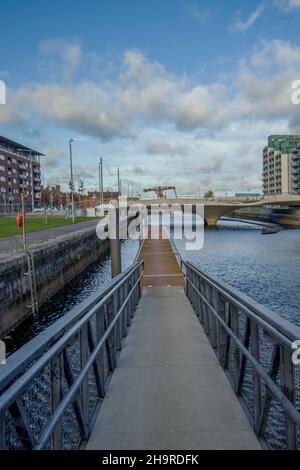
(161, 267)
(169, 391)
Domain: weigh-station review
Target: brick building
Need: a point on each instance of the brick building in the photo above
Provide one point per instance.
(20, 172)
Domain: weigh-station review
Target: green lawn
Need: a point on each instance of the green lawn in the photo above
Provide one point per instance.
(9, 228)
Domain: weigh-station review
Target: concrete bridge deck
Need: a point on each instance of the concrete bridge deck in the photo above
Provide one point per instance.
(169, 391)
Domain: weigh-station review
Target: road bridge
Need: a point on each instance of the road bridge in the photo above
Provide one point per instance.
(215, 208)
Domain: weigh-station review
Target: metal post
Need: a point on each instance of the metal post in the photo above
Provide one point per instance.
(100, 181)
(115, 248)
(72, 184)
(23, 226)
(32, 189)
(119, 183)
(51, 200)
(5, 208)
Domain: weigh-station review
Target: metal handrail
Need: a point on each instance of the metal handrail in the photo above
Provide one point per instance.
(28, 353)
(137, 256)
(290, 331)
(98, 334)
(254, 346)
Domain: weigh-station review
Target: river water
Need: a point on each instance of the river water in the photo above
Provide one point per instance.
(265, 267)
(96, 276)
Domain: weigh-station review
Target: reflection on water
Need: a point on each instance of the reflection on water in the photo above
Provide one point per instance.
(96, 276)
(265, 267)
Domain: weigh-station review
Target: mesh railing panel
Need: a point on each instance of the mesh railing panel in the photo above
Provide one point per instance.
(40, 398)
(272, 424)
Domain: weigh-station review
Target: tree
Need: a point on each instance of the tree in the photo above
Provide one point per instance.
(46, 195)
(209, 194)
(81, 188)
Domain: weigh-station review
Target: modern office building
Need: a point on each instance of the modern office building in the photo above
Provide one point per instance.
(281, 165)
(20, 172)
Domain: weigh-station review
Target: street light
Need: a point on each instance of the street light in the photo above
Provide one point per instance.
(72, 184)
(101, 181)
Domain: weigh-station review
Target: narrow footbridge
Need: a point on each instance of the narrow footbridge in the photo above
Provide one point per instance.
(166, 357)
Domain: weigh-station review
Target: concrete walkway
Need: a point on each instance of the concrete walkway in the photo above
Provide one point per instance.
(161, 267)
(10, 246)
(169, 391)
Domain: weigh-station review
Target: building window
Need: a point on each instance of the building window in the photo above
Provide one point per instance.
(2, 168)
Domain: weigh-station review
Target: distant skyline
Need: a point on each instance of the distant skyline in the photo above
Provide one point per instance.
(171, 91)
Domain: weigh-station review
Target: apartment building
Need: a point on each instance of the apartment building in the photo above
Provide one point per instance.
(20, 172)
(281, 165)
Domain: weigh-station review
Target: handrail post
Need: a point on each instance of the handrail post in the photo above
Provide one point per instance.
(254, 332)
(84, 392)
(221, 332)
(234, 321)
(100, 359)
(57, 393)
(287, 383)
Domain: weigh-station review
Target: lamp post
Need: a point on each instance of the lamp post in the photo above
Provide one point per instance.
(119, 183)
(72, 183)
(24, 221)
(101, 181)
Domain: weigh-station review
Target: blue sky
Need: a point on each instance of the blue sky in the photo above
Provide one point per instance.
(171, 91)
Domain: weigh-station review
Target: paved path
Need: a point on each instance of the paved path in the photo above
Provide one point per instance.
(12, 245)
(161, 267)
(169, 391)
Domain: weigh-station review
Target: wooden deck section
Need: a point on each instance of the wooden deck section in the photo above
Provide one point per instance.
(161, 267)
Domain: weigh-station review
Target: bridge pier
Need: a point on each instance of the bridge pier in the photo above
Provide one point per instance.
(211, 222)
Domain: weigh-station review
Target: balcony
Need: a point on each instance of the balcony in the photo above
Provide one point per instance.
(22, 166)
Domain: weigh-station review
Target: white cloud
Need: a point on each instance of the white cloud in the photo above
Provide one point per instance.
(161, 121)
(196, 13)
(144, 93)
(70, 54)
(281, 54)
(240, 25)
(287, 5)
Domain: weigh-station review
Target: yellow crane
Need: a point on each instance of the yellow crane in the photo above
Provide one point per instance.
(160, 191)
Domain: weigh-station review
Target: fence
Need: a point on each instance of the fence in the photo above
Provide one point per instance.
(254, 346)
(51, 399)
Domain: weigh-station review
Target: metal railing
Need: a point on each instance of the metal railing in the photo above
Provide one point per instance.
(51, 399)
(254, 347)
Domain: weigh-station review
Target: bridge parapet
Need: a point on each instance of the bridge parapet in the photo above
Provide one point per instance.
(52, 398)
(256, 348)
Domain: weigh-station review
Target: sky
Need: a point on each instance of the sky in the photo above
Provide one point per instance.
(177, 92)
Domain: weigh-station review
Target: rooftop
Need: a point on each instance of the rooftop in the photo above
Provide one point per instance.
(284, 143)
(18, 148)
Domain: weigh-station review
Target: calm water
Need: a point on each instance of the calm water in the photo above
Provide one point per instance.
(96, 276)
(265, 267)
